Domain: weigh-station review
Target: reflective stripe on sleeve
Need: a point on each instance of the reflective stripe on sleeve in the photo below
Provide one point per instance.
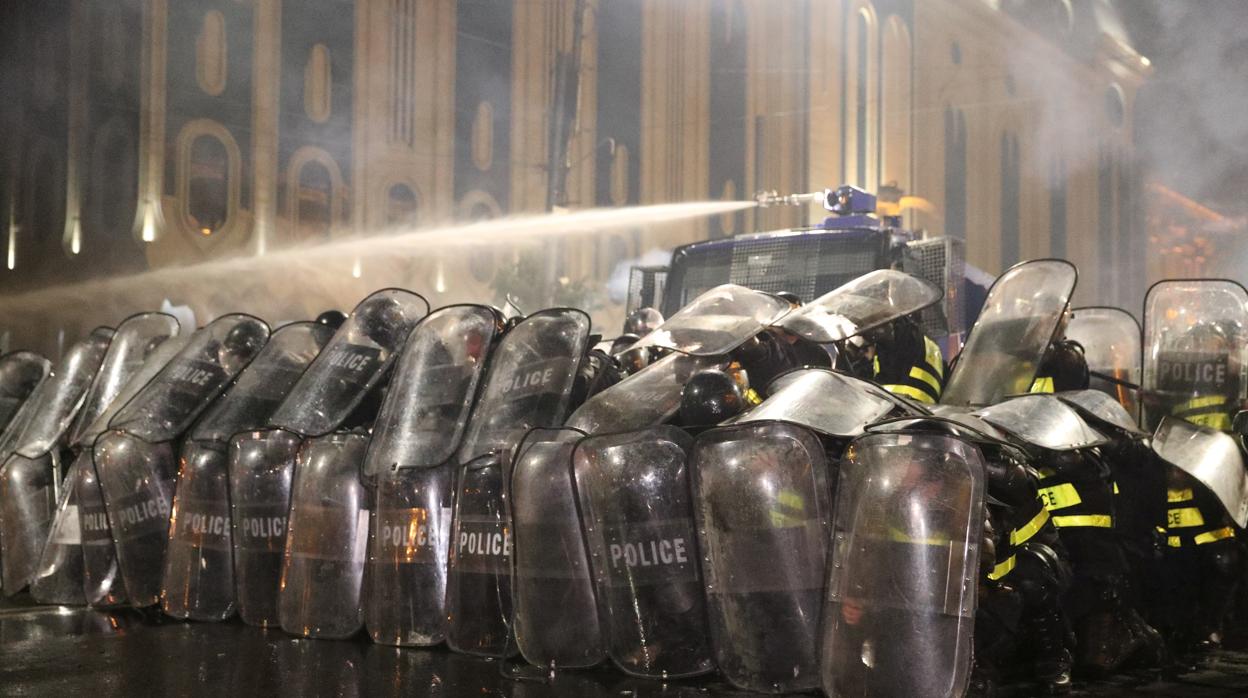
(1084, 521)
(920, 374)
(1024, 533)
(1003, 568)
(935, 359)
(1215, 536)
(910, 392)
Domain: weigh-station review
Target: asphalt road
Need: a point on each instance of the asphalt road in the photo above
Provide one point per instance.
(72, 652)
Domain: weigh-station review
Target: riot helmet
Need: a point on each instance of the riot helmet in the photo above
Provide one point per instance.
(622, 343)
(709, 398)
(242, 343)
(1065, 363)
(642, 321)
(380, 317)
(331, 318)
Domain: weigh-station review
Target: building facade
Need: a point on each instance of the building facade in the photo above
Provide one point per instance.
(147, 134)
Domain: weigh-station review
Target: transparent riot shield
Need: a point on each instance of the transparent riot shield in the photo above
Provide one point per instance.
(102, 584)
(717, 321)
(20, 373)
(1195, 352)
(86, 433)
(184, 388)
(326, 540)
(136, 338)
(59, 576)
(645, 398)
(1019, 319)
(408, 547)
(431, 393)
(136, 479)
(529, 382)
(1044, 421)
(556, 614)
(62, 394)
(262, 464)
(198, 577)
(1211, 457)
(478, 580)
(1100, 406)
(1110, 338)
(27, 505)
(351, 364)
(637, 518)
(802, 397)
(901, 595)
(262, 386)
(761, 501)
(871, 300)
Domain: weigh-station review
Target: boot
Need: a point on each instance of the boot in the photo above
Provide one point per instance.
(1051, 668)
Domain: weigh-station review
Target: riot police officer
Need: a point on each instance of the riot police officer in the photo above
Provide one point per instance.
(905, 361)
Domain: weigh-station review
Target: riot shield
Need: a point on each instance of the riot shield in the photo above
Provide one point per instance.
(261, 466)
(803, 397)
(86, 433)
(102, 584)
(1211, 457)
(167, 406)
(901, 597)
(1195, 352)
(133, 342)
(1100, 406)
(136, 479)
(20, 373)
(1044, 421)
(62, 394)
(761, 501)
(262, 386)
(430, 396)
(871, 300)
(529, 383)
(59, 576)
(407, 552)
(556, 615)
(1110, 338)
(717, 321)
(326, 539)
(198, 577)
(27, 505)
(351, 365)
(1019, 319)
(637, 518)
(478, 578)
(643, 399)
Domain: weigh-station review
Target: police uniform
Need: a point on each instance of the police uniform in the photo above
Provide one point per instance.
(911, 365)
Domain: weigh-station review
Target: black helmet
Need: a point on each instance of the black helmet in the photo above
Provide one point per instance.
(1066, 365)
(709, 398)
(331, 318)
(642, 321)
(624, 341)
(241, 343)
(381, 319)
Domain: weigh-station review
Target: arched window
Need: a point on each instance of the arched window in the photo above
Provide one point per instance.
(314, 192)
(1010, 200)
(955, 173)
(896, 105)
(112, 183)
(208, 184)
(863, 98)
(402, 205)
(1057, 210)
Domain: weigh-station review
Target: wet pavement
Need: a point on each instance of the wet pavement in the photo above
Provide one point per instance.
(60, 651)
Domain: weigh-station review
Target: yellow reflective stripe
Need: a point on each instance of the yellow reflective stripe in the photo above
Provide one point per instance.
(1184, 495)
(1115, 488)
(1215, 536)
(910, 392)
(1024, 533)
(789, 510)
(1218, 420)
(1085, 520)
(920, 374)
(1174, 541)
(753, 398)
(875, 366)
(1201, 402)
(1046, 472)
(1060, 496)
(1187, 517)
(1003, 568)
(934, 357)
(899, 536)
(1043, 384)
(792, 499)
